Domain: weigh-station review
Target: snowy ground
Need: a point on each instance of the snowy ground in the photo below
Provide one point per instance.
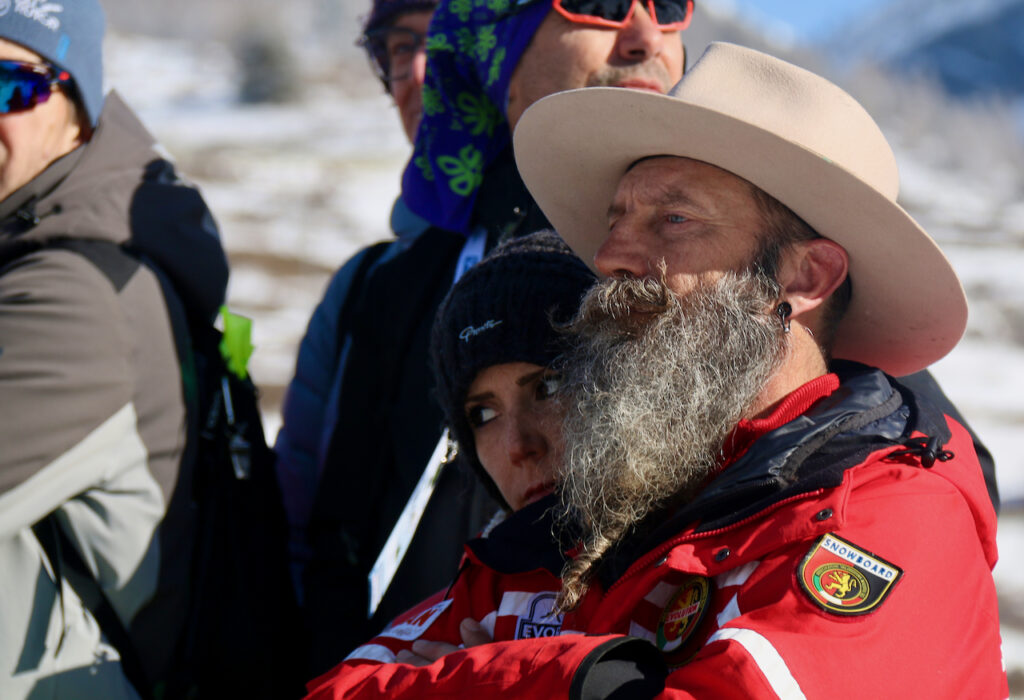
(298, 188)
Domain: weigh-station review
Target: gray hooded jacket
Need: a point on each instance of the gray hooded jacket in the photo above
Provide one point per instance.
(92, 414)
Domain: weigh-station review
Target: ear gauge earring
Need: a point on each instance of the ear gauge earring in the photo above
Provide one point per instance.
(783, 311)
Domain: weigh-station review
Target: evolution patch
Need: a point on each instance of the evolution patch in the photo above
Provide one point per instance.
(541, 620)
(681, 618)
(844, 579)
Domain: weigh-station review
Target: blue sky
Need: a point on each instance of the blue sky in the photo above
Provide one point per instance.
(808, 18)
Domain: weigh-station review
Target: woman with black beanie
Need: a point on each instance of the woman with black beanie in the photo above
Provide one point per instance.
(493, 343)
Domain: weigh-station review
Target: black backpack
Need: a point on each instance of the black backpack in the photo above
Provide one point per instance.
(240, 637)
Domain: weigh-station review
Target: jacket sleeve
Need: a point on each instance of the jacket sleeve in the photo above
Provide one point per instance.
(436, 619)
(522, 668)
(499, 602)
(65, 386)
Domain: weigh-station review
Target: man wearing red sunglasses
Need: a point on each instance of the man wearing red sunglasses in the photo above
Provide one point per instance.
(601, 43)
(360, 423)
(92, 411)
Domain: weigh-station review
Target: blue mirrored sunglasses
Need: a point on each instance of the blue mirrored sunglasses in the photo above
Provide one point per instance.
(24, 85)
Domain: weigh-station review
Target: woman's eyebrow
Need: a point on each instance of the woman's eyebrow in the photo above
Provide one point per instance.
(527, 378)
(479, 397)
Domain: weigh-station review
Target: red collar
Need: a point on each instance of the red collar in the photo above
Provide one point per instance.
(793, 406)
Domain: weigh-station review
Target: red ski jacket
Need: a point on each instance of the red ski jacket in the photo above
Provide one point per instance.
(508, 582)
(847, 551)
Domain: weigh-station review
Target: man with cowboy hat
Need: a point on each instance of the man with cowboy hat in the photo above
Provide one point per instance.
(760, 509)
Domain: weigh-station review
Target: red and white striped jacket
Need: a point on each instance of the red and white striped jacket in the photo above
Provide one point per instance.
(507, 582)
(844, 552)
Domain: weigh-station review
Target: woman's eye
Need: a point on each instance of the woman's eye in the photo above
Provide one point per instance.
(478, 415)
(676, 219)
(548, 386)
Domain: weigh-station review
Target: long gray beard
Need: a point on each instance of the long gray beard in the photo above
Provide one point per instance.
(654, 384)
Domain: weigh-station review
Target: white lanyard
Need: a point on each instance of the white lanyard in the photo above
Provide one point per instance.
(383, 571)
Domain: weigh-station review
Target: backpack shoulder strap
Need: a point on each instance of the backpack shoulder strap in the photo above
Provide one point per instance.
(109, 258)
(405, 291)
(367, 259)
(61, 551)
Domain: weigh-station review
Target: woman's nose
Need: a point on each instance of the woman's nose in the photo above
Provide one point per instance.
(526, 443)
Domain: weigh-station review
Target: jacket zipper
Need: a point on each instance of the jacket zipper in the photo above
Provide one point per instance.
(668, 546)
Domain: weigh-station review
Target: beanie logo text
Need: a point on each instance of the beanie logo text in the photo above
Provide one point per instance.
(36, 10)
(470, 331)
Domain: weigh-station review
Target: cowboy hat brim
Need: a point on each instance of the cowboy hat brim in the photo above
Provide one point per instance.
(908, 307)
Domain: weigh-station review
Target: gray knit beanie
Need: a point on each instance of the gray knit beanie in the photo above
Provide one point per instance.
(502, 311)
(67, 34)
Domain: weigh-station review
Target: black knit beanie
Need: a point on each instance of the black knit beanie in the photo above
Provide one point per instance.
(386, 11)
(501, 311)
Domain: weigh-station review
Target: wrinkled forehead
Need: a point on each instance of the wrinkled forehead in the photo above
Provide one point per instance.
(665, 179)
(680, 164)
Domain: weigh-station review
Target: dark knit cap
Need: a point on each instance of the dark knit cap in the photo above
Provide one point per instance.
(69, 35)
(385, 11)
(501, 311)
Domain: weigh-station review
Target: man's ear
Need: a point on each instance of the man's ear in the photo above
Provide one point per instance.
(813, 270)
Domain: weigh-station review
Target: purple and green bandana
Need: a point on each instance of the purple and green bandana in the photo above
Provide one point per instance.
(472, 49)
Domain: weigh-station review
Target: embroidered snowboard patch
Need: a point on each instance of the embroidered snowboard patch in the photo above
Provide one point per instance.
(681, 618)
(844, 579)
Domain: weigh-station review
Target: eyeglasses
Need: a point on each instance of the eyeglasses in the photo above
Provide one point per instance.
(24, 85)
(392, 51)
(669, 15)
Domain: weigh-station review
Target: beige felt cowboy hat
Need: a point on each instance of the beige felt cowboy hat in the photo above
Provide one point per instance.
(793, 134)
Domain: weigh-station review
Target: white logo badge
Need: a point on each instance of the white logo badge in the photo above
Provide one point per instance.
(36, 10)
(541, 620)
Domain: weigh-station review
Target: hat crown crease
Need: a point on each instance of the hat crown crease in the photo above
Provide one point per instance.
(834, 125)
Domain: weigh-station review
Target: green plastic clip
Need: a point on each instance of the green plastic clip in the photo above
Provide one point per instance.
(236, 343)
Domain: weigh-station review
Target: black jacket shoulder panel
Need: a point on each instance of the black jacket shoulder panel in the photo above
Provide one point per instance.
(524, 541)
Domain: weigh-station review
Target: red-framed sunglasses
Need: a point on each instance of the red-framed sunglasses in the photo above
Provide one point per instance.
(669, 15)
(24, 85)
